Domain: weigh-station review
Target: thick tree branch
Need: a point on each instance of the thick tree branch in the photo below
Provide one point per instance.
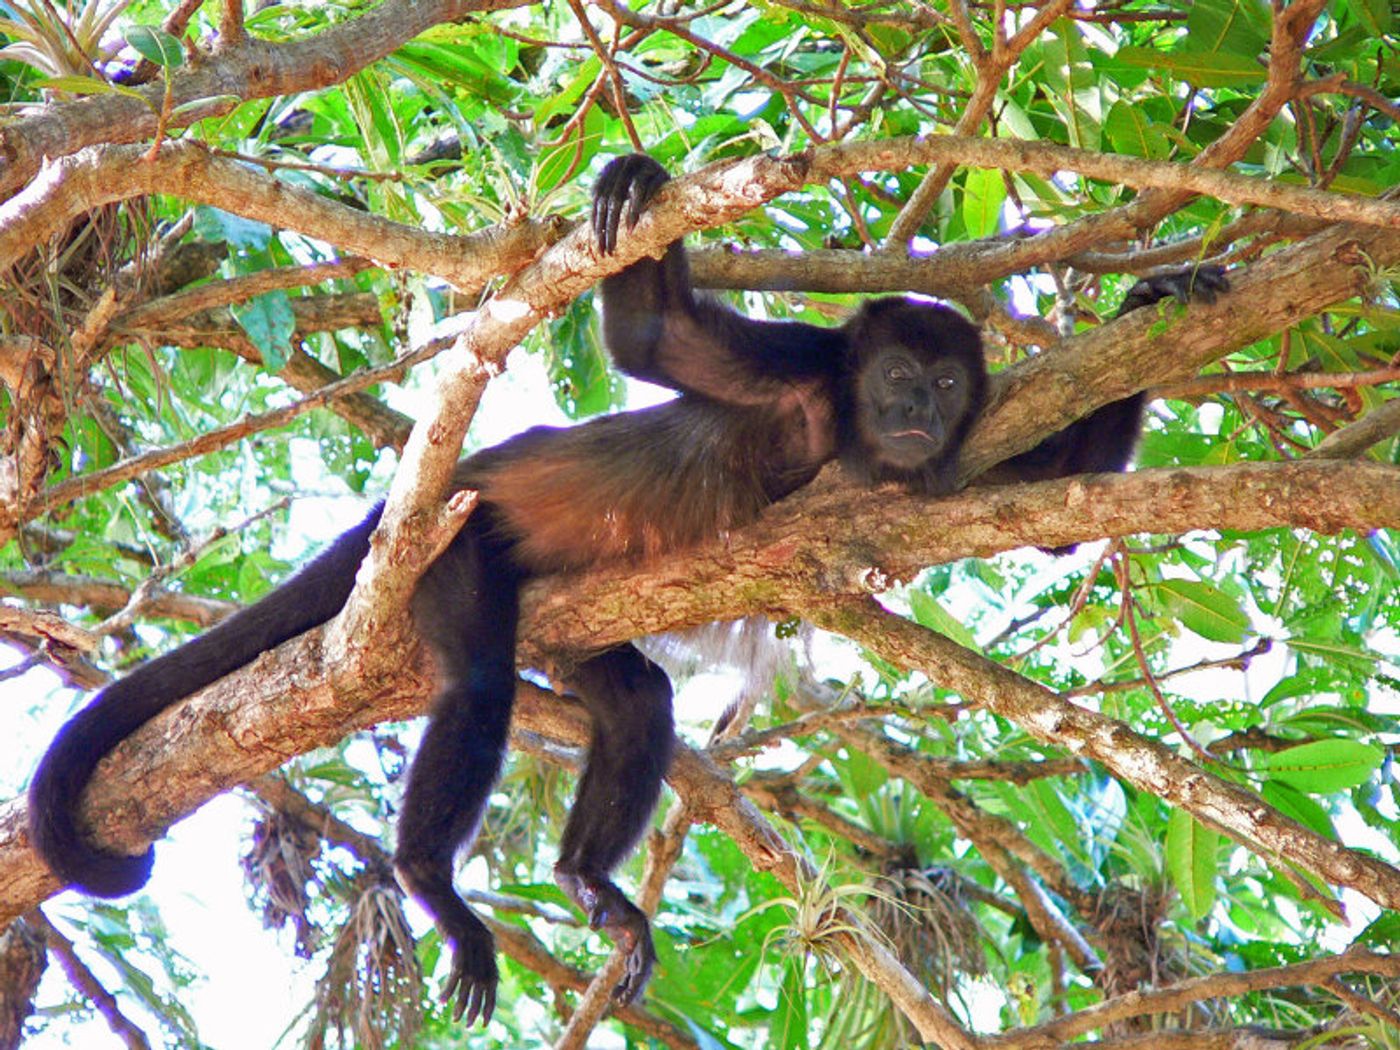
(103, 174)
(252, 69)
(77, 183)
(819, 537)
(831, 538)
(1155, 346)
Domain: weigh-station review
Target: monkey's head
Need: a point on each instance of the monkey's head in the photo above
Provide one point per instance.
(917, 382)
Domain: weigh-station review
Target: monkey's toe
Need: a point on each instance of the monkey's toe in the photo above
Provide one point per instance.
(609, 910)
(470, 988)
(641, 959)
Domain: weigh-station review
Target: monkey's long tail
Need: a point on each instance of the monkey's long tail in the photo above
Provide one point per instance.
(309, 598)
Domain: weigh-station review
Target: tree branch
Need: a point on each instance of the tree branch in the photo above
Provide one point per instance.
(77, 183)
(1237, 812)
(253, 69)
(830, 538)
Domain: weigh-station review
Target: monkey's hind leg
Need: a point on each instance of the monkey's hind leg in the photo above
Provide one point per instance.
(466, 608)
(629, 698)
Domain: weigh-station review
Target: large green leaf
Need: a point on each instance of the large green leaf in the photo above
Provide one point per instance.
(1204, 608)
(269, 322)
(1324, 766)
(1199, 68)
(1192, 862)
(984, 191)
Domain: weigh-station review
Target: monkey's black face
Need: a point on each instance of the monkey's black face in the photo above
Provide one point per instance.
(917, 385)
(912, 407)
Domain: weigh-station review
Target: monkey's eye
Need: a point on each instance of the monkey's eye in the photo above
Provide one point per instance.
(899, 373)
(946, 382)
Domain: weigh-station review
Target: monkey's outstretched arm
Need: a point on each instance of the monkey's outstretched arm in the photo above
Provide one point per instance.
(1104, 440)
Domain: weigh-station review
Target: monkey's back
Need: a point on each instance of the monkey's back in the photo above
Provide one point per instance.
(637, 484)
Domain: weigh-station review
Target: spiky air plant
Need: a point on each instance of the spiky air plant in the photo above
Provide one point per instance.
(278, 868)
(926, 917)
(373, 985)
(59, 40)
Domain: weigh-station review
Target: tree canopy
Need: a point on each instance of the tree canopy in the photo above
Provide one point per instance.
(263, 258)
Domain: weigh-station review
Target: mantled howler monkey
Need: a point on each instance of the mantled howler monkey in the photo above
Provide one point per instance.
(762, 406)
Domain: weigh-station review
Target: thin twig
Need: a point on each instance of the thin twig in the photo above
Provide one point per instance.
(86, 484)
(1129, 618)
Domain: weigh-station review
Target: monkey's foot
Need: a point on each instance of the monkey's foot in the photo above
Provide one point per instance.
(1182, 284)
(609, 910)
(470, 988)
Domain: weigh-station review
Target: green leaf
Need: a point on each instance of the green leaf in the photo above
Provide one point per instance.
(81, 85)
(1237, 26)
(984, 191)
(156, 45)
(1051, 815)
(1375, 15)
(1198, 68)
(461, 67)
(1130, 131)
(215, 224)
(1383, 934)
(1205, 609)
(790, 1018)
(929, 612)
(1324, 766)
(1191, 862)
(554, 165)
(862, 775)
(269, 322)
(1334, 652)
(1293, 803)
(197, 105)
(369, 98)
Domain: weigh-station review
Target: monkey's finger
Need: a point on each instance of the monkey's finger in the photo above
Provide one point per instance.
(470, 1004)
(630, 987)
(617, 204)
(604, 194)
(625, 991)
(643, 190)
(610, 197)
(604, 226)
(595, 219)
(488, 1006)
(450, 989)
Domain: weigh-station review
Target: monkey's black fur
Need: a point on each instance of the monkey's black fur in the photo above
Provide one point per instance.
(763, 405)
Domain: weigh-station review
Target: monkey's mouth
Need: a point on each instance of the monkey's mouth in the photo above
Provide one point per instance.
(921, 435)
(911, 447)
